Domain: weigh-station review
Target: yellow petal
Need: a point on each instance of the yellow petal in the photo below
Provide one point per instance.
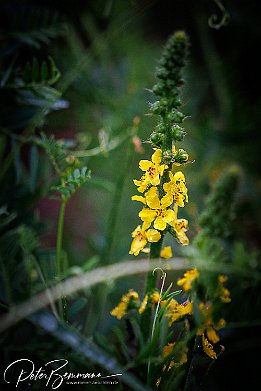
(169, 216)
(145, 225)
(179, 176)
(166, 252)
(212, 335)
(145, 165)
(152, 192)
(136, 231)
(139, 198)
(155, 181)
(147, 215)
(166, 200)
(137, 245)
(159, 223)
(153, 235)
(161, 168)
(156, 157)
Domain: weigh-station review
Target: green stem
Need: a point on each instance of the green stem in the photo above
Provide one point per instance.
(156, 312)
(62, 303)
(155, 249)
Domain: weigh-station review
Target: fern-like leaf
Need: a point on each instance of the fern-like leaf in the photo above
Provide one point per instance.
(73, 182)
(55, 152)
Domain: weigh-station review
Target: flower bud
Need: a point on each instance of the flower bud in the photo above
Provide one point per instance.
(178, 133)
(156, 138)
(181, 156)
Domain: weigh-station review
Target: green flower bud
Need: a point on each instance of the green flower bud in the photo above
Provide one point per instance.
(178, 133)
(176, 116)
(160, 128)
(167, 156)
(156, 138)
(181, 156)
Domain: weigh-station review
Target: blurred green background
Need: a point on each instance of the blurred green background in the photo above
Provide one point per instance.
(107, 52)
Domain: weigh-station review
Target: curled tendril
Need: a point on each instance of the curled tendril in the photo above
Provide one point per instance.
(162, 272)
(212, 21)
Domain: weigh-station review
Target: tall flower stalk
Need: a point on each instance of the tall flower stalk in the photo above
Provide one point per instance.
(163, 185)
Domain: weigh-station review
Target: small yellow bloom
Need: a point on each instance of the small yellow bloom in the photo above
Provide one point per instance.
(166, 252)
(153, 171)
(222, 292)
(143, 304)
(175, 311)
(208, 348)
(158, 381)
(177, 188)
(188, 278)
(212, 335)
(141, 237)
(168, 349)
(157, 210)
(122, 307)
(180, 227)
(153, 299)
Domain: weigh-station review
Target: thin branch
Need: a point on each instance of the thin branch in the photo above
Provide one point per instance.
(85, 280)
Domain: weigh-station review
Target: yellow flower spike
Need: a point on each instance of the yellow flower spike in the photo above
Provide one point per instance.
(166, 252)
(188, 278)
(208, 348)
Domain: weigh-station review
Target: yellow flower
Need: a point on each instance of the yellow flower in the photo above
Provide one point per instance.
(208, 348)
(188, 278)
(143, 304)
(154, 298)
(122, 307)
(175, 311)
(153, 171)
(157, 210)
(180, 227)
(166, 252)
(168, 349)
(212, 334)
(141, 237)
(222, 292)
(177, 188)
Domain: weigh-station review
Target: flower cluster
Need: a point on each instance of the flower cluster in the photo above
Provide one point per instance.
(163, 192)
(207, 330)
